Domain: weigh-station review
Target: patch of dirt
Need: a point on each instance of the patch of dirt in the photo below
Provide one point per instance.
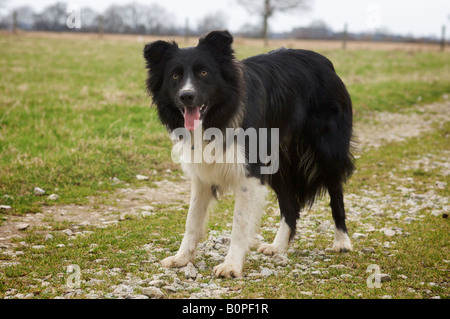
(128, 201)
(385, 127)
(388, 127)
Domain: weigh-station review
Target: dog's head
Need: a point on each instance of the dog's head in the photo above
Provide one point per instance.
(190, 85)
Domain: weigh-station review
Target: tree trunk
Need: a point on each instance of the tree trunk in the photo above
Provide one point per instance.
(266, 31)
(266, 22)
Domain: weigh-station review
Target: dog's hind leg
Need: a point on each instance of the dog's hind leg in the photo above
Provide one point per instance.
(201, 196)
(342, 242)
(289, 208)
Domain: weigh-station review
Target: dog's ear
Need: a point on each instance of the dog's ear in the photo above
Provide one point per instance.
(218, 40)
(157, 51)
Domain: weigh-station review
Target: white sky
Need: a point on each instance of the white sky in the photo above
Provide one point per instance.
(416, 17)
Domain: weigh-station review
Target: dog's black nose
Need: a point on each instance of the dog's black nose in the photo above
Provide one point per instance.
(187, 97)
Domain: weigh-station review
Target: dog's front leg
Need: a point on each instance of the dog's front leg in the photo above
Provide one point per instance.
(201, 196)
(249, 206)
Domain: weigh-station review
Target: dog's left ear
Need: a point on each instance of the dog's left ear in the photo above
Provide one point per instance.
(218, 40)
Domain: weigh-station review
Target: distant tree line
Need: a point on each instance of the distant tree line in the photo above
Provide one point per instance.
(155, 19)
(132, 18)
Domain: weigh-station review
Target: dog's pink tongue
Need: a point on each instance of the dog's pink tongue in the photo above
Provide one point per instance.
(191, 118)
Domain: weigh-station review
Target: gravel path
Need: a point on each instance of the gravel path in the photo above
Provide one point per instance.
(365, 209)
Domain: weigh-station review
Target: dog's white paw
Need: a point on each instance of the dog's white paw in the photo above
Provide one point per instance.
(342, 242)
(228, 270)
(175, 261)
(269, 249)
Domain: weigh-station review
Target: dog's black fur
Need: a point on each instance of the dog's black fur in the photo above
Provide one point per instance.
(297, 91)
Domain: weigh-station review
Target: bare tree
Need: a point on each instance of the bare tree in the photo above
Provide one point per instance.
(212, 21)
(113, 20)
(157, 19)
(90, 20)
(267, 8)
(25, 17)
(52, 18)
(137, 18)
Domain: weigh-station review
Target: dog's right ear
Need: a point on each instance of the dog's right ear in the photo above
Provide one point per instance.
(157, 51)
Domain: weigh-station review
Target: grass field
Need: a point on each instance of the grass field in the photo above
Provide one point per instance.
(74, 115)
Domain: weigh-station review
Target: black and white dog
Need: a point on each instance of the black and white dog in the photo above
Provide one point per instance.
(291, 96)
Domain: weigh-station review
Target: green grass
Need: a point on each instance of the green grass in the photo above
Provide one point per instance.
(74, 114)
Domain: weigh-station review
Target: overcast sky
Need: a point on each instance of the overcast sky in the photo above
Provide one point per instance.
(416, 17)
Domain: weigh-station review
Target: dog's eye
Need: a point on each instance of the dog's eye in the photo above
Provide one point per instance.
(175, 76)
(204, 73)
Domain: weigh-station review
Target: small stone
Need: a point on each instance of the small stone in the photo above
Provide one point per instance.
(53, 197)
(170, 288)
(436, 213)
(123, 290)
(38, 191)
(357, 236)
(316, 273)
(337, 266)
(409, 220)
(306, 293)
(153, 292)
(157, 283)
(22, 226)
(266, 272)
(368, 250)
(237, 287)
(388, 232)
(115, 180)
(142, 178)
(386, 297)
(323, 228)
(147, 214)
(38, 247)
(48, 237)
(190, 271)
(384, 277)
(402, 277)
(280, 260)
(68, 232)
(201, 265)
(5, 207)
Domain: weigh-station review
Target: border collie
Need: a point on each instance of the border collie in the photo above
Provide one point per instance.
(296, 92)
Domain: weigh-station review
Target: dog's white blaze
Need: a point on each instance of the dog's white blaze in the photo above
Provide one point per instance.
(341, 241)
(188, 85)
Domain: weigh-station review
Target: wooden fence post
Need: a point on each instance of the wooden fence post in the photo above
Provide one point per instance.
(443, 39)
(344, 37)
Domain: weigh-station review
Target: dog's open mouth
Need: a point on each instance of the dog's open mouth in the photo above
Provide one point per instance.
(193, 116)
